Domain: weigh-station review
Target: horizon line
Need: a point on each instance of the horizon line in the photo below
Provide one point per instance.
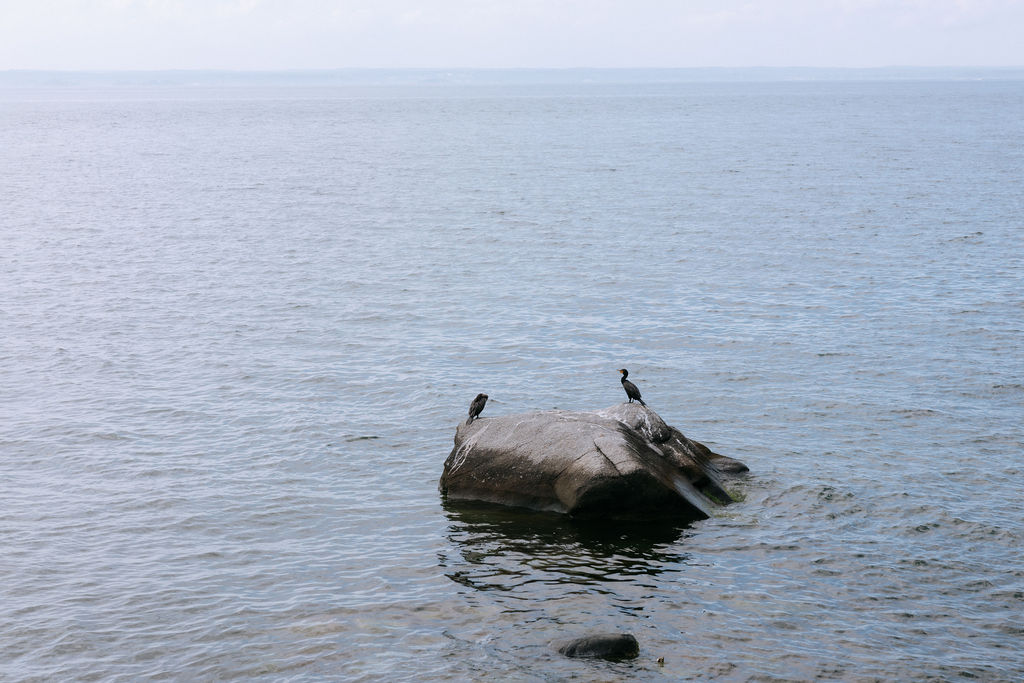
(12, 79)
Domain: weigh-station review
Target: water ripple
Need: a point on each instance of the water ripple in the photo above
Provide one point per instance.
(239, 328)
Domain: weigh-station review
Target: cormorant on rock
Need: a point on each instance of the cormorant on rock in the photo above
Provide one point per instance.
(631, 391)
(477, 406)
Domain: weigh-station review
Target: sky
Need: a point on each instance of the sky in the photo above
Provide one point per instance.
(332, 34)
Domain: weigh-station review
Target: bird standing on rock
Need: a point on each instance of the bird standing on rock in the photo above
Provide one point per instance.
(476, 407)
(631, 391)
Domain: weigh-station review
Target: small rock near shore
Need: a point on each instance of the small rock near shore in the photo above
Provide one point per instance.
(612, 646)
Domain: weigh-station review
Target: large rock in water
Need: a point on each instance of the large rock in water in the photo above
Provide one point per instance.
(619, 461)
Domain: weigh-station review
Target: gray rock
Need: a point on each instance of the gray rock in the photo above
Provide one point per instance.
(621, 461)
(612, 646)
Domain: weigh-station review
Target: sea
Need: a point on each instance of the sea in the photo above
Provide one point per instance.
(240, 319)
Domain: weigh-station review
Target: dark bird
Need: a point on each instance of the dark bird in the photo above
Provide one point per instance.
(476, 407)
(631, 391)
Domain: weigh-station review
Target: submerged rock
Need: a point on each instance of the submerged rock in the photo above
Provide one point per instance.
(604, 645)
(623, 460)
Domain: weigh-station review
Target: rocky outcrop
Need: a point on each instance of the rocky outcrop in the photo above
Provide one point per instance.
(619, 461)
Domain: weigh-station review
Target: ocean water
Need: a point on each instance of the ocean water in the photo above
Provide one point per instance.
(239, 326)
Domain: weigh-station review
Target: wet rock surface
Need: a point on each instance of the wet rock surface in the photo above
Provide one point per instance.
(614, 646)
(622, 460)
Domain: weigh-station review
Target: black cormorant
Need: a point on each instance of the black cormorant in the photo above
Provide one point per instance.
(476, 407)
(631, 391)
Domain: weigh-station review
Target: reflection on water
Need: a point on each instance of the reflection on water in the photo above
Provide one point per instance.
(506, 549)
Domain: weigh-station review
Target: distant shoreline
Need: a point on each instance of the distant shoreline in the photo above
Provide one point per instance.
(581, 76)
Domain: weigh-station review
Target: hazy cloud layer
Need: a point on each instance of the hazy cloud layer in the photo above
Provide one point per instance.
(285, 34)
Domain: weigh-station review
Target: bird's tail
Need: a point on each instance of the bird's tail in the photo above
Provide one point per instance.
(642, 402)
